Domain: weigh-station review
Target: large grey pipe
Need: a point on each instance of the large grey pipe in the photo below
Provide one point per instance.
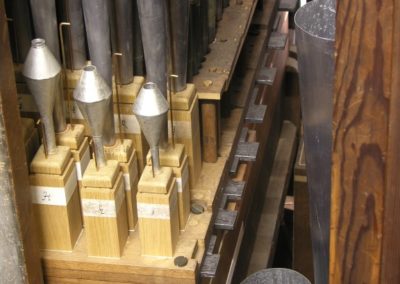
(138, 53)
(124, 32)
(315, 35)
(21, 23)
(75, 44)
(152, 16)
(98, 36)
(179, 21)
(44, 16)
(96, 14)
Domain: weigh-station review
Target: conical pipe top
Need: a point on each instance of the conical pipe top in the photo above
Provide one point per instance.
(42, 74)
(93, 97)
(151, 110)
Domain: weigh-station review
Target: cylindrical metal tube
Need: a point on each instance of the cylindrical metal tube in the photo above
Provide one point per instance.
(45, 24)
(22, 28)
(75, 41)
(152, 24)
(225, 3)
(138, 53)
(191, 44)
(99, 155)
(124, 32)
(155, 157)
(109, 125)
(204, 26)
(220, 8)
(315, 34)
(179, 21)
(212, 20)
(197, 35)
(98, 36)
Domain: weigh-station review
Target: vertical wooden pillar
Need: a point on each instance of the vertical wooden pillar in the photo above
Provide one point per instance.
(19, 253)
(209, 119)
(365, 227)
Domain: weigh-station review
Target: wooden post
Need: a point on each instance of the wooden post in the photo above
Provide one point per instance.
(365, 228)
(19, 253)
(209, 119)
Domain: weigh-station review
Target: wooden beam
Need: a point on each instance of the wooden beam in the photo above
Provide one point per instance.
(19, 253)
(365, 228)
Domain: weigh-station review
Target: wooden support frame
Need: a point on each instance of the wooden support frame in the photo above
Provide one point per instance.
(21, 259)
(365, 228)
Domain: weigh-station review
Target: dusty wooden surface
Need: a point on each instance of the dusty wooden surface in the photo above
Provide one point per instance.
(365, 231)
(19, 254)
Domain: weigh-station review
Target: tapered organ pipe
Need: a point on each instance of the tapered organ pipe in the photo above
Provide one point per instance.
(212, 18)
(179, 21)
(44, 16)
(124, 31)
(75, 44)
(96, 16)
(153, 26)
(98, 36)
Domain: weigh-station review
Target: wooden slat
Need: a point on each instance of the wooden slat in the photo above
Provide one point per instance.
(365, 231)
(272, 211)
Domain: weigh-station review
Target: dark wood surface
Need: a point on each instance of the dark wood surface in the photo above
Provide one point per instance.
(14, 175)
(365, 231)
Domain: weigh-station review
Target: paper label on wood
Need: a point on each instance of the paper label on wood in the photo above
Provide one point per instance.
(57, 196)
(82, 164)
(101, 207)
(183, 180)
(182, 129)
(156, 211)
(129, 124)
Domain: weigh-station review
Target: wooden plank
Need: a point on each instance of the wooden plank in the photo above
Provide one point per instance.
(272, 211)
(365, 237)
(19, 254)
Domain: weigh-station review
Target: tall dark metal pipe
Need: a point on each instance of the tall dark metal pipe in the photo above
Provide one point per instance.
(75, 41)
(204, 26)
(97, 23)
(315, 39)
(98, 36)
(138, 53)
(44, 17)
(21, 27)
(179, 26)
(152, 16)
(212, 20)
(191, 43)
(124, 32)
(220, 8)
(197, 26)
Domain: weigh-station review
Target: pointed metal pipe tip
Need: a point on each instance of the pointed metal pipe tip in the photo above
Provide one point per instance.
(93, 97)
(42, 74)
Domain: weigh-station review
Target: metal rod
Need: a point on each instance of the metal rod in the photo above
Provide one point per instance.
(124, 38)
(64, 73)
(171, 79)
(116, 74)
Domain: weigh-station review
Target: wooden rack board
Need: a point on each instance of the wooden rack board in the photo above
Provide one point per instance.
(217, 71)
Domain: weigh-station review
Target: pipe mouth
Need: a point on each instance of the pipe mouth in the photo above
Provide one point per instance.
(89, 68)
(149, 86)
(38, 42)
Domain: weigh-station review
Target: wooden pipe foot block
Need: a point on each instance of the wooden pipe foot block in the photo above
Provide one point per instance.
(181, 174)
(72, 136)
(105, 217)
(103, 177)
(160, 183)
(54, 164)
(57, 208)
(187, 132)
(184, 99)
(171, 156)
(120, 151)
(128, 93)
(130, 175)
(158, 219)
